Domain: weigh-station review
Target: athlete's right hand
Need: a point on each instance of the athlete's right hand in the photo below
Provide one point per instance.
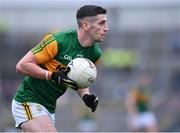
(62, 78)
(91, 101)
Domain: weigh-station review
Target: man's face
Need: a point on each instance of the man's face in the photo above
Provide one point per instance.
(97, 27)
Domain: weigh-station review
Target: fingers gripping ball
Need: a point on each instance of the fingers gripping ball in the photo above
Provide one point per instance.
(61, 77)
(83, 71)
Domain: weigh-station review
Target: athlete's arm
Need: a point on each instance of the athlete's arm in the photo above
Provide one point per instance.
(82, 92)
(90, 100)
(28, 66)
(130, 103)
(43, 52)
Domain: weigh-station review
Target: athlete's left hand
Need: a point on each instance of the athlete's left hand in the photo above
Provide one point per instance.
(91, 101)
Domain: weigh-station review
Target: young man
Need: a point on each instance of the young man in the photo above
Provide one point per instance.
(33, 106)
(140, 117)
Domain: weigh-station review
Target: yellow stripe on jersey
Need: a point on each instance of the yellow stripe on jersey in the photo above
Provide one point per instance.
(42, 44)
(46, 50)
(98, 61)
(139, 96)
(52, 65)
(27, 110)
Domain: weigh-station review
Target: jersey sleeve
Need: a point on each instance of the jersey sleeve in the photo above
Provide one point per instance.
(46, 49)
(98, 61)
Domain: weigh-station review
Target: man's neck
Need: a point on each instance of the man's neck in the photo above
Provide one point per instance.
(83, 38)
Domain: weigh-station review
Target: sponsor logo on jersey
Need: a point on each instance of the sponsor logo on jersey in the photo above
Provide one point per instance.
(68, 57)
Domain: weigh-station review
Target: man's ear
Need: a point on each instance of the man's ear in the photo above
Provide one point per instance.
(85, 25)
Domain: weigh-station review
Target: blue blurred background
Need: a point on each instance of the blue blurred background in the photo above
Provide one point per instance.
(144, 36)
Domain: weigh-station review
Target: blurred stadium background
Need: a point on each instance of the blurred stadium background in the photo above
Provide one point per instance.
(144, 36)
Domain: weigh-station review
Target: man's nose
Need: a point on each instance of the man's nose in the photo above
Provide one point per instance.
(106, 28)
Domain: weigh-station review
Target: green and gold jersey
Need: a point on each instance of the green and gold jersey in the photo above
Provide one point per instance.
(56, 49)
(142, 96)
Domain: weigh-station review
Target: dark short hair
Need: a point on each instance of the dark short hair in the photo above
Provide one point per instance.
(89, 11)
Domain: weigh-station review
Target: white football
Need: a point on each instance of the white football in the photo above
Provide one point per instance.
(83, 71)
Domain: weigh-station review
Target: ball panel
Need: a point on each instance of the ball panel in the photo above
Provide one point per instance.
(86, 78)
(83, 71)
